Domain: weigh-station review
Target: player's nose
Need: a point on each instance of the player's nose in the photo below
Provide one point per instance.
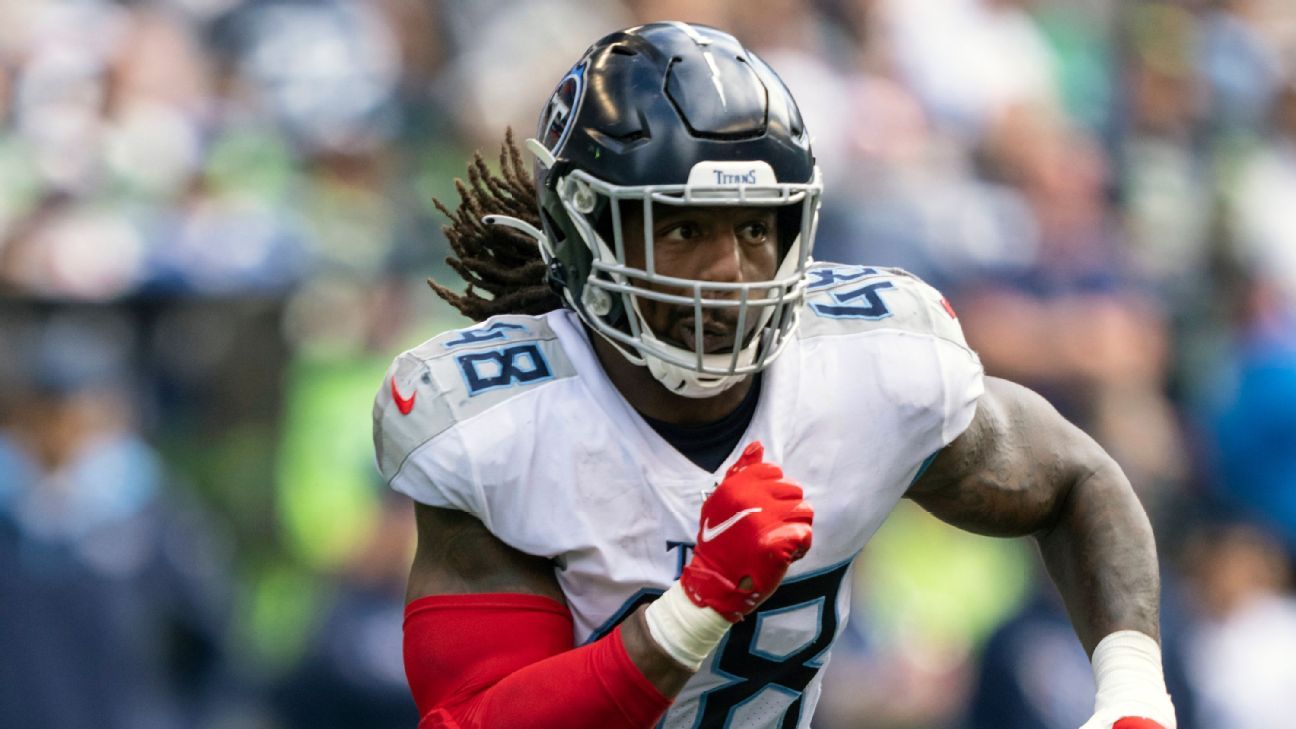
(723, 259)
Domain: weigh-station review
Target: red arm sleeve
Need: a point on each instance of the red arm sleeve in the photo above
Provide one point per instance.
(507, 660)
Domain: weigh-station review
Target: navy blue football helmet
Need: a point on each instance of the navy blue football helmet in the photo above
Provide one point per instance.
(673, 114)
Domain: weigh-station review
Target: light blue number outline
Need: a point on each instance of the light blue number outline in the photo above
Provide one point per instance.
(814, 662)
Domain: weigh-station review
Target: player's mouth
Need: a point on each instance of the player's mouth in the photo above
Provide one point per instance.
(717, 336)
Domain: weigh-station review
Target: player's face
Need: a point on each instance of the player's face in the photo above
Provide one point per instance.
(712, 244)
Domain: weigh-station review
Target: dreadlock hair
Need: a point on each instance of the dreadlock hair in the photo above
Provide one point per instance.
(502, 262)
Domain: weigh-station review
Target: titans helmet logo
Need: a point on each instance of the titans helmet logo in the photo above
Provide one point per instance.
(556, 121)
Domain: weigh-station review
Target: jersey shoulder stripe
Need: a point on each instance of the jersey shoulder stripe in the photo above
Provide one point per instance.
(843, 300)
(459, 375)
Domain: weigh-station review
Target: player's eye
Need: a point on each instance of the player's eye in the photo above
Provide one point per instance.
(680, 231)
(754, 231)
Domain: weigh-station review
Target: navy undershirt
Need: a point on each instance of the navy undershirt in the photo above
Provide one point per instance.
(709, 444)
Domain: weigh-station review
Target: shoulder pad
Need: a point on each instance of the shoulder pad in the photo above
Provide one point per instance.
(844, 300)
(460, 375)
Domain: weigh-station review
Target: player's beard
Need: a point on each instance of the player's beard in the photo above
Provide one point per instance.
(719, 328)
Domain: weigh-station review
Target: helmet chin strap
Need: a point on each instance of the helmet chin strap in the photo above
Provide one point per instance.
(688, 383)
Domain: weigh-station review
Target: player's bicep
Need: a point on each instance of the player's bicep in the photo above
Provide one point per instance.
(1010, 471)
(457, 555)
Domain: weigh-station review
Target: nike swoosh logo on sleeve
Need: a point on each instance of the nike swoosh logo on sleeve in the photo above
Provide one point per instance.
(403, 404)
(711, 532)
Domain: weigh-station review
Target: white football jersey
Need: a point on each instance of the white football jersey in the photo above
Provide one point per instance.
(514, 421)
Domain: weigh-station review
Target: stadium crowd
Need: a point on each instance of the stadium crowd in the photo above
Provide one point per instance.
(215, 221)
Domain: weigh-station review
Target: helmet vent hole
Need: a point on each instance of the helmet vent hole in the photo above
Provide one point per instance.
(623, 50)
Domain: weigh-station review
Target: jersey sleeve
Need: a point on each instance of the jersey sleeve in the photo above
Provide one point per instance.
(411, 414)
(450, 413)
(910, 333)
(962, 376)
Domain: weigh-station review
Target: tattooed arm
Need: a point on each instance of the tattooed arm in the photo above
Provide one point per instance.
(1020, 468)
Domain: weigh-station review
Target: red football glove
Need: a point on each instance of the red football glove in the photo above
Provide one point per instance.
(1136, 723)
(752, 528)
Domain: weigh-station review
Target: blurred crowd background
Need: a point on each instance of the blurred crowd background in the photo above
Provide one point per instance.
(216, 219)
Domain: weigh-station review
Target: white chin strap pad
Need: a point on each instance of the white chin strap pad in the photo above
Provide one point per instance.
(687, 382)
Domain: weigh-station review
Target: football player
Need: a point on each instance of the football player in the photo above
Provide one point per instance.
(619, 471)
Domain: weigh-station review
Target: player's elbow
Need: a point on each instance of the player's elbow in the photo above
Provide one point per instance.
(1097, 494)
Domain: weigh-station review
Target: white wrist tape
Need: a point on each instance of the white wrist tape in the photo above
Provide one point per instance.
(1130, 681)
(686, 632)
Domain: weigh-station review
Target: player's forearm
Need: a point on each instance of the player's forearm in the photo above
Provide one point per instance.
(657, 666)
(507, 660)
(1101, 554)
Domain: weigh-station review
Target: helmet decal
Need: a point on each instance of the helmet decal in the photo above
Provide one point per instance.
(560, 112)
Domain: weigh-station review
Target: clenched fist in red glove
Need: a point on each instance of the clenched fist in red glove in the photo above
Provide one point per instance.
(1136, 723)
(753, 527)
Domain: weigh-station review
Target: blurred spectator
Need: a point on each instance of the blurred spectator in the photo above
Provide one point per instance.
(907, 192)
(486, 92)
(1163, 177)
(1073, 324)
(969, 60)
(1240, 653)
(1240, 64)
(1254, 423)
(114, 588)
(1266, 229)
(327, 71)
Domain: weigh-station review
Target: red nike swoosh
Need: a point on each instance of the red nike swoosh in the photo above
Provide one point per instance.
(405, 405)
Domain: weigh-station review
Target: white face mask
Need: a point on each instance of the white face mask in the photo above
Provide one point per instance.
(767, 311)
